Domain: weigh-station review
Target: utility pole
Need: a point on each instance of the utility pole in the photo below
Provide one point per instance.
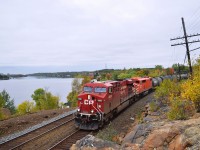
(187, 46)
(179, 71)
(186, 43)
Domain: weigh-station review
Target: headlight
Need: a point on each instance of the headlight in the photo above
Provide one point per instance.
(92, 111)
(78, 109)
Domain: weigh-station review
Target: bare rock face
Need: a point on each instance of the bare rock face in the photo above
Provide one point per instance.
(170, 135)
(89, 142)
(138, 134)
(161, 138)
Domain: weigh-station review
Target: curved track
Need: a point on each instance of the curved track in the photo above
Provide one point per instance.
(19, 142)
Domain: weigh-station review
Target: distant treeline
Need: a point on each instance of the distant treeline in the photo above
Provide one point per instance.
(9, 76)
(104, 73)
(4, 77)
(58, 74)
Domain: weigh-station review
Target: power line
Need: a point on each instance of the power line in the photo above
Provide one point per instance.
(185, 43)
(184, 37)
(193, 16)
(195, 49)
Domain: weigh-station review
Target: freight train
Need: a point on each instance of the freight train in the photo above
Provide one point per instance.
(100, 101)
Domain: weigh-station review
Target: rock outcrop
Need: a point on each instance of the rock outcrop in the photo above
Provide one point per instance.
(158, 132)
(92, 143)
(155, 132)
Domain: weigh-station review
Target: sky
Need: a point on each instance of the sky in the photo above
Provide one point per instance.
(88, 35)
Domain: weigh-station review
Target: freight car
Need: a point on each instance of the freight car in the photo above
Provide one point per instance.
(100, 101)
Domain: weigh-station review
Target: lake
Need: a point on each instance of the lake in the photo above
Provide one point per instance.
(21, 89)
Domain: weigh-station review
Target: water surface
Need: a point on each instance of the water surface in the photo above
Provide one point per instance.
(21, 89)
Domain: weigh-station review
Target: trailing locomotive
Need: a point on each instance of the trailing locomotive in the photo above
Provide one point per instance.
(100, 101)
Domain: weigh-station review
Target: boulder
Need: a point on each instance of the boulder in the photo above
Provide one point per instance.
(90, 142)
(130, 146)
(138, 134)
(161, 137)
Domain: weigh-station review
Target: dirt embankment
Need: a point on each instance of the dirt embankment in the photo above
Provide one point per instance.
(20, 123)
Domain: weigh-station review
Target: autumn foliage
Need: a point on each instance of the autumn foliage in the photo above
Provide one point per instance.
(25, 107)
(182, 97)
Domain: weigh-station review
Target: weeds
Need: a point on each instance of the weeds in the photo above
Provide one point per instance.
(107, 134)
(153, 106)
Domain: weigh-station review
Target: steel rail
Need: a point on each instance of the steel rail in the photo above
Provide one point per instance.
(63, 139)
(36, 137)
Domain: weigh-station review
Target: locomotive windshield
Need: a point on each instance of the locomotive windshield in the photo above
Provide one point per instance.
(87, 89)
(100, 90)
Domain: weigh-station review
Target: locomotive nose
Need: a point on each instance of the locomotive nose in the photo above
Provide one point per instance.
(88, 104)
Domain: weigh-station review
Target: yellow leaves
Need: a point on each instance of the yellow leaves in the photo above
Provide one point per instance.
(191, 89)
(25, 107)
(167, 90)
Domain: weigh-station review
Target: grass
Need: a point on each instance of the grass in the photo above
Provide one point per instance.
(108, 133)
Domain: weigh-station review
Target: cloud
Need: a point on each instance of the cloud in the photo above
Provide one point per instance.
(87, 34)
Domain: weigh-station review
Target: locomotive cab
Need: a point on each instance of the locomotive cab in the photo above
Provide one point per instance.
(89, 115)
(100, 101)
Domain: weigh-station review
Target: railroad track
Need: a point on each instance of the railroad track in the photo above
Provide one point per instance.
(21, 141)
(67, 142)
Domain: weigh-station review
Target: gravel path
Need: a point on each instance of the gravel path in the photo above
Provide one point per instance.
(15, 135)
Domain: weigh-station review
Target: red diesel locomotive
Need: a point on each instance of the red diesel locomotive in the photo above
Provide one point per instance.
(100, 101)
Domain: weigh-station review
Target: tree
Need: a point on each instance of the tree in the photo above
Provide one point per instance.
(25, 107)
(38, 97)
(108, 76)
(2, 102)
(51, 101)
(76, 85)
(115, 75)
(85, 79)
(72, 98)
(45, 100)
(142, 72)
(7, 102)
(182, 68)
(124, 76)
(76, 89)
(159, 67)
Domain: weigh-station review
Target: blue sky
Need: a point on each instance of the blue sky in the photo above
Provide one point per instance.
(77, 35)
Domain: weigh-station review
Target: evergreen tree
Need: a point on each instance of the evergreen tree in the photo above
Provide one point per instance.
(7, 102)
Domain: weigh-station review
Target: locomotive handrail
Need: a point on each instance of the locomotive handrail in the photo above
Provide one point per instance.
(97, 111)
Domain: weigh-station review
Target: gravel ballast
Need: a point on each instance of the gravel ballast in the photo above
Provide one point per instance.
(15, 135)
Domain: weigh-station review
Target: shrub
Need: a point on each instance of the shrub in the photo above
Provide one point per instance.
(191, 91)
(167, 88)
(153, 106)
(140, 116)
(107, 134)
(179, 109)
(25, 107)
